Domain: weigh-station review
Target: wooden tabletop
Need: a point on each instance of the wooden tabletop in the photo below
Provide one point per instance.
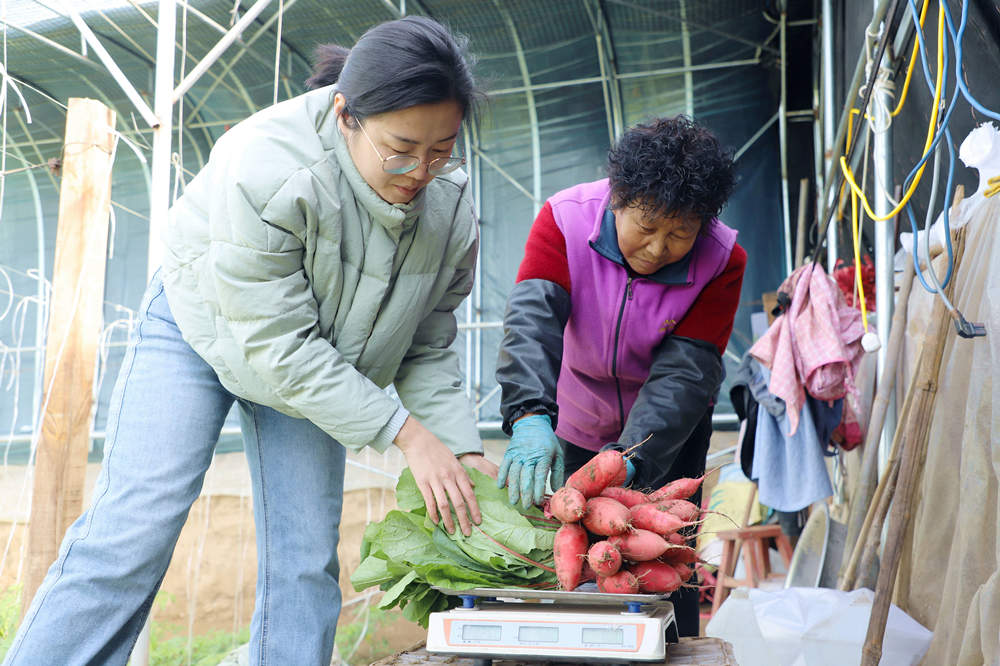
(689, 652)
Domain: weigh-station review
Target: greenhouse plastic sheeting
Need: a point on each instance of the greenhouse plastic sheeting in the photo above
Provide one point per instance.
(949, 578)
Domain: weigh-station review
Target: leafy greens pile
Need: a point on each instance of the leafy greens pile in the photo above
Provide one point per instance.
(406, 554)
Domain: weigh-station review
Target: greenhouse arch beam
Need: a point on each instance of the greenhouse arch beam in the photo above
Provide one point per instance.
(151, 64)
(536, 150)
(31, 84)
(239, 43)
(56, 45)
(236, 58)
(509, 178)
(686, 53)
(609, 68)
(216, 51)
(239, 89)
(693, 24)
(630, 75)
(113, 69)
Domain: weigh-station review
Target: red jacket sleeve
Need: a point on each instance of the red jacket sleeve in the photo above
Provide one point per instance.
(545, 252)
(711, 316)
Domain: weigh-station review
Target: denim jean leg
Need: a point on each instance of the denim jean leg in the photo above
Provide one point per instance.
(167, 410)
(297, 472)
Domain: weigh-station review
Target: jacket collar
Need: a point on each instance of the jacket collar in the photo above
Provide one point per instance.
(396, 218)
(606, 244)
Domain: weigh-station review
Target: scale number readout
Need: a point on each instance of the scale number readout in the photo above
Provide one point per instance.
(563, 634)
(604, 635)
(477, 633)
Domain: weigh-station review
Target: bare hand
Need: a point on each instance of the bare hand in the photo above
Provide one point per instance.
(442, 481)
(477, 461)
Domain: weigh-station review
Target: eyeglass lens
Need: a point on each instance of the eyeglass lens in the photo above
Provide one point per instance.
(400, 164)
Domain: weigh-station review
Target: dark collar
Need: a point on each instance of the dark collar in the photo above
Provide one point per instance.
(606, 245)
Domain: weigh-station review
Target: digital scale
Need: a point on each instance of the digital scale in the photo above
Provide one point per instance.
(579, 626)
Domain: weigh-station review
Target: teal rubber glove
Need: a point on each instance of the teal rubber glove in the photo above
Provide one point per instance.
(532, 455)
(629, 472)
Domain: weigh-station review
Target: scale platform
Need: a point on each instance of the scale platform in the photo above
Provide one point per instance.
(579, 627)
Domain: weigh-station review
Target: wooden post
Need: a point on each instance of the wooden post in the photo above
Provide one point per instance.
(863, 492)
(75, 319)
(914, 440)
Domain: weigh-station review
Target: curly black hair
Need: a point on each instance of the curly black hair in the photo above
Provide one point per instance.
(671, 166)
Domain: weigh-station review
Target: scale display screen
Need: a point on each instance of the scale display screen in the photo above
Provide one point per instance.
(603, 635)
(573, 635)
(537, 634)
(481, 632)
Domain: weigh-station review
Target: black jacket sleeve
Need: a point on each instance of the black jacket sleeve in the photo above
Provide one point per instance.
(683, 382)
(531, 350)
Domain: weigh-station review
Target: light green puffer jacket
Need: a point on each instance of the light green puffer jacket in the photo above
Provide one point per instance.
(308, 293)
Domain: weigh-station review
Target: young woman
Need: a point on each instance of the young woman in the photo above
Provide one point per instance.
(623, 306)
(316, 259)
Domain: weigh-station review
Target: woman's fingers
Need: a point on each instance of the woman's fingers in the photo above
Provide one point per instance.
(443, 507)
(429, 501)
(469, 493)
(463, 499)
(461, 511)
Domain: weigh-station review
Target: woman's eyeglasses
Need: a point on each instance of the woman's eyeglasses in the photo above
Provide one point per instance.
(400, 164)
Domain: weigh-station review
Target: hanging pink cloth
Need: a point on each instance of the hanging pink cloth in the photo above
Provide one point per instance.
(815, 346)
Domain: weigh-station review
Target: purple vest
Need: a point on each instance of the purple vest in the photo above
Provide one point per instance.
(617, 322)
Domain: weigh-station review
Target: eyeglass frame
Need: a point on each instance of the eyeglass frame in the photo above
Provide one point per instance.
(417, 163)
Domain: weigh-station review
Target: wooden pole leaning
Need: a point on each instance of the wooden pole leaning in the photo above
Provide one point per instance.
(917, 427)
(886, 386)
(74, 328)
(870, 534)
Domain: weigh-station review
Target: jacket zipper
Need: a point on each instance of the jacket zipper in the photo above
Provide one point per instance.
(627, 296)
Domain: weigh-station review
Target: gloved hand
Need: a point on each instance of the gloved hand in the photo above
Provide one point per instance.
(533, 452)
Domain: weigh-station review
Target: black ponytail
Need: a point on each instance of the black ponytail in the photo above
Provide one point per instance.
(328, 62)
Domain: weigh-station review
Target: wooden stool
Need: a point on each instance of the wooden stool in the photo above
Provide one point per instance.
(755, 558)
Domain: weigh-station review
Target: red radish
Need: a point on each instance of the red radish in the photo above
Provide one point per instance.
(656, 577)
(547, 507)
(626, 496)
(683, 509)
(639, 545)
(620, 476)
(622, 582)
(598, 473)
(604, 558)
(568, 505)
(605, 516)
(680, 555)
(676, 539)
(656, 518)
(679, 488)
(684, 571)
(588, 572)
(568, 551)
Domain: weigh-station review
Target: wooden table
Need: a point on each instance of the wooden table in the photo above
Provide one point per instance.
(689, 652)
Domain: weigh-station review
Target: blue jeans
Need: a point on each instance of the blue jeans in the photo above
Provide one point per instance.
(166, 413)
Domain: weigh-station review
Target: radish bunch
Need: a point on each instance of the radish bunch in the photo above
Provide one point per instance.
(626, 540)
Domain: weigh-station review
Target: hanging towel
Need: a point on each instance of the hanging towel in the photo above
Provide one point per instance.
(790, 470)
(815, 346)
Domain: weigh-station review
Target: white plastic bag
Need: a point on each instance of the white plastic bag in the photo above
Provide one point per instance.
(802, 626)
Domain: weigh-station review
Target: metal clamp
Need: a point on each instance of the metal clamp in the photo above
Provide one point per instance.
(967, 329)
